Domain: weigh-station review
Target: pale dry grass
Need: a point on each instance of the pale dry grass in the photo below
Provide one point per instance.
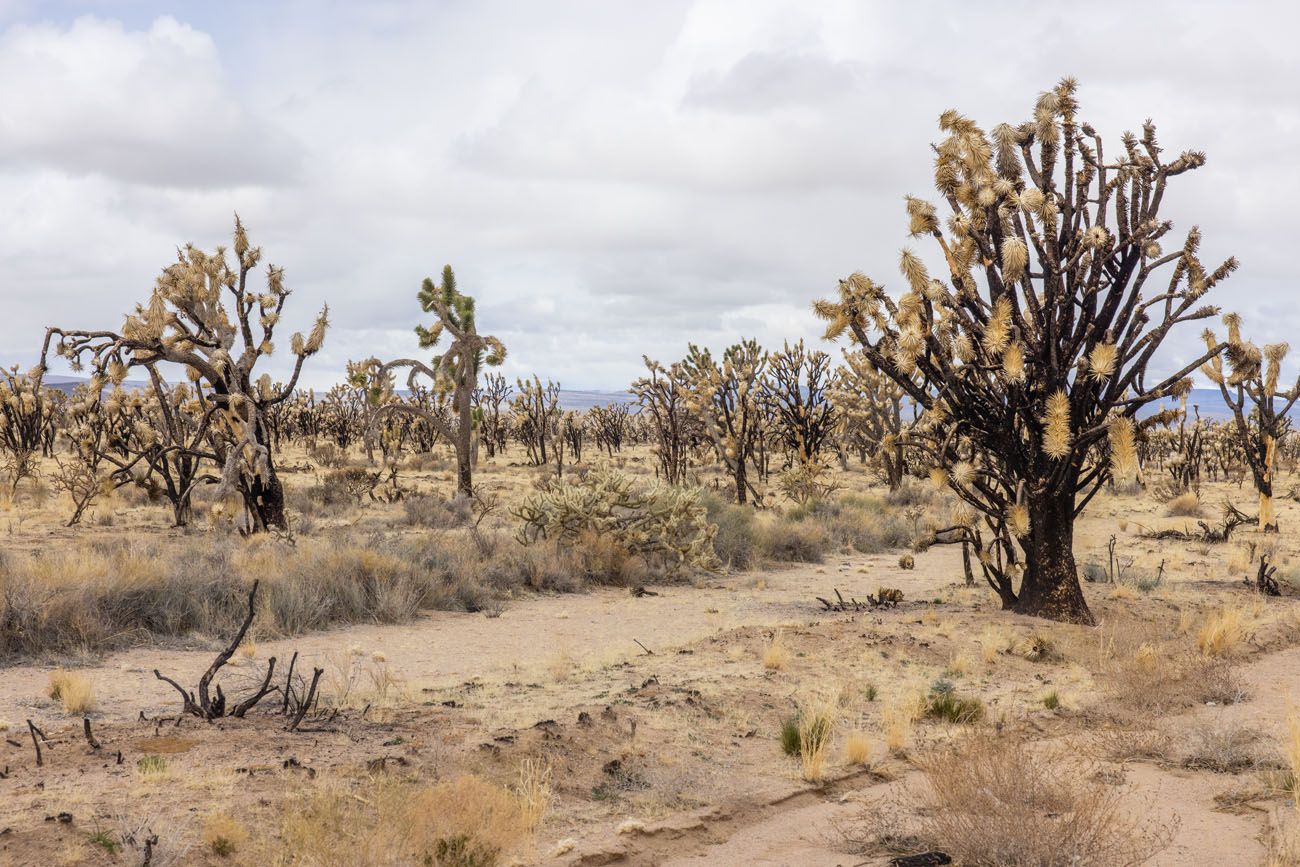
(1185, 505)
(857, 748)
(899, 713)
(776, 656)
(1291, 752)
(817, 717)
(73, 690)
(534, 792)
(1223, 631)
(223, 835)
(458, 822)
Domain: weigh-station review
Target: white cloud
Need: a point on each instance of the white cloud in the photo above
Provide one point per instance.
(146, 106)
(608, 179)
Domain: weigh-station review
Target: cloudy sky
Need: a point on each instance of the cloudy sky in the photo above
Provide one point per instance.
(608, 179)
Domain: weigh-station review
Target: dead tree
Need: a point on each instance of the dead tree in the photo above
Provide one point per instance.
(187, 323)
(1259, 410)
(208, 706)
(1044, 333)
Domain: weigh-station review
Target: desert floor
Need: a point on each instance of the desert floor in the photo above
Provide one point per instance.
(659, 715)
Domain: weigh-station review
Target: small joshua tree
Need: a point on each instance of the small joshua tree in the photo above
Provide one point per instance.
(664, 406)
(205, 317)
(489, 401)
(725, 398)
(455, 372)
(1259, 409)
(1059, 293)
(870, 407)
(536, 409)
(28, 414)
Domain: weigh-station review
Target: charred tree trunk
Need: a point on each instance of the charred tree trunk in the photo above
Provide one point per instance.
(1050, 587)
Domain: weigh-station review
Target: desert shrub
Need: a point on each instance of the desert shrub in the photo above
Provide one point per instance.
(1151, 684)
(992, 801)
(860, 522)
(1224, 748)
(436, 513)
(947, 705)
(665, 526)
(1185, 505)
(1222, 631)
(223, 835)
(781, 540)
(328, 455)
(735, 539)
(912, 493)
(790, 735)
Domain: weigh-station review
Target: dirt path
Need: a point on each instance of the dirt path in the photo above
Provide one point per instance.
(531, 639)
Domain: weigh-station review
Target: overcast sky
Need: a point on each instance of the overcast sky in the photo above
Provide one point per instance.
(608, 178)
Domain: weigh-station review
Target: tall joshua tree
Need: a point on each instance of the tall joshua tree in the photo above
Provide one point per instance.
(1040, 342)
(455, 372)
(205, 317)
(1250, 390)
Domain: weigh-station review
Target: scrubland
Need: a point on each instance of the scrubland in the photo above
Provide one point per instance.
(484, 701)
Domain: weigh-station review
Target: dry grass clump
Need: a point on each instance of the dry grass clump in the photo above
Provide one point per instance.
(1185, 505)
(993, 800)
(223, 835)
(103, 596)
(817, 716)
(1155, 682)
(1222, 631)
(776, 656)
(73, 690)
(857, 748)
(899, 713)
(1291, 752)
(463, 822)
(534, 792)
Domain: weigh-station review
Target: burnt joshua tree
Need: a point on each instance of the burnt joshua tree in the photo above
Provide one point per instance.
(1058, 295)
(1259, 410)
(205, 317)
(455, 372)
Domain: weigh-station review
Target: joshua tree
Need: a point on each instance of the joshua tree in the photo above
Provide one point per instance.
(1250, 390)
(488, 400)
(726, 400)
(27, 421)
(1044, 335)
(611, 425)
(188, 322)
(795, 391)
(455, 372)
(663, 401)
(537, 410)
(870, 407)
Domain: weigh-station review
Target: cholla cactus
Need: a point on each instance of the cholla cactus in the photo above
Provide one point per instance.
(454, 373)
(1259, 408)
(187, 322)
(726, 399)
(665, 525)
(1043, 331)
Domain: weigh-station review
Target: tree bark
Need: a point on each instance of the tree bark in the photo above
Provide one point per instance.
(1050, 587)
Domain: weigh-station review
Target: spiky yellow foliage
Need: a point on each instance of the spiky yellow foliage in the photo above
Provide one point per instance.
(1018, 519)
(1123, 451)
(1102, 360)
(1015, 256)
(997, 333)
(1056, 425)
(1013, 363)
